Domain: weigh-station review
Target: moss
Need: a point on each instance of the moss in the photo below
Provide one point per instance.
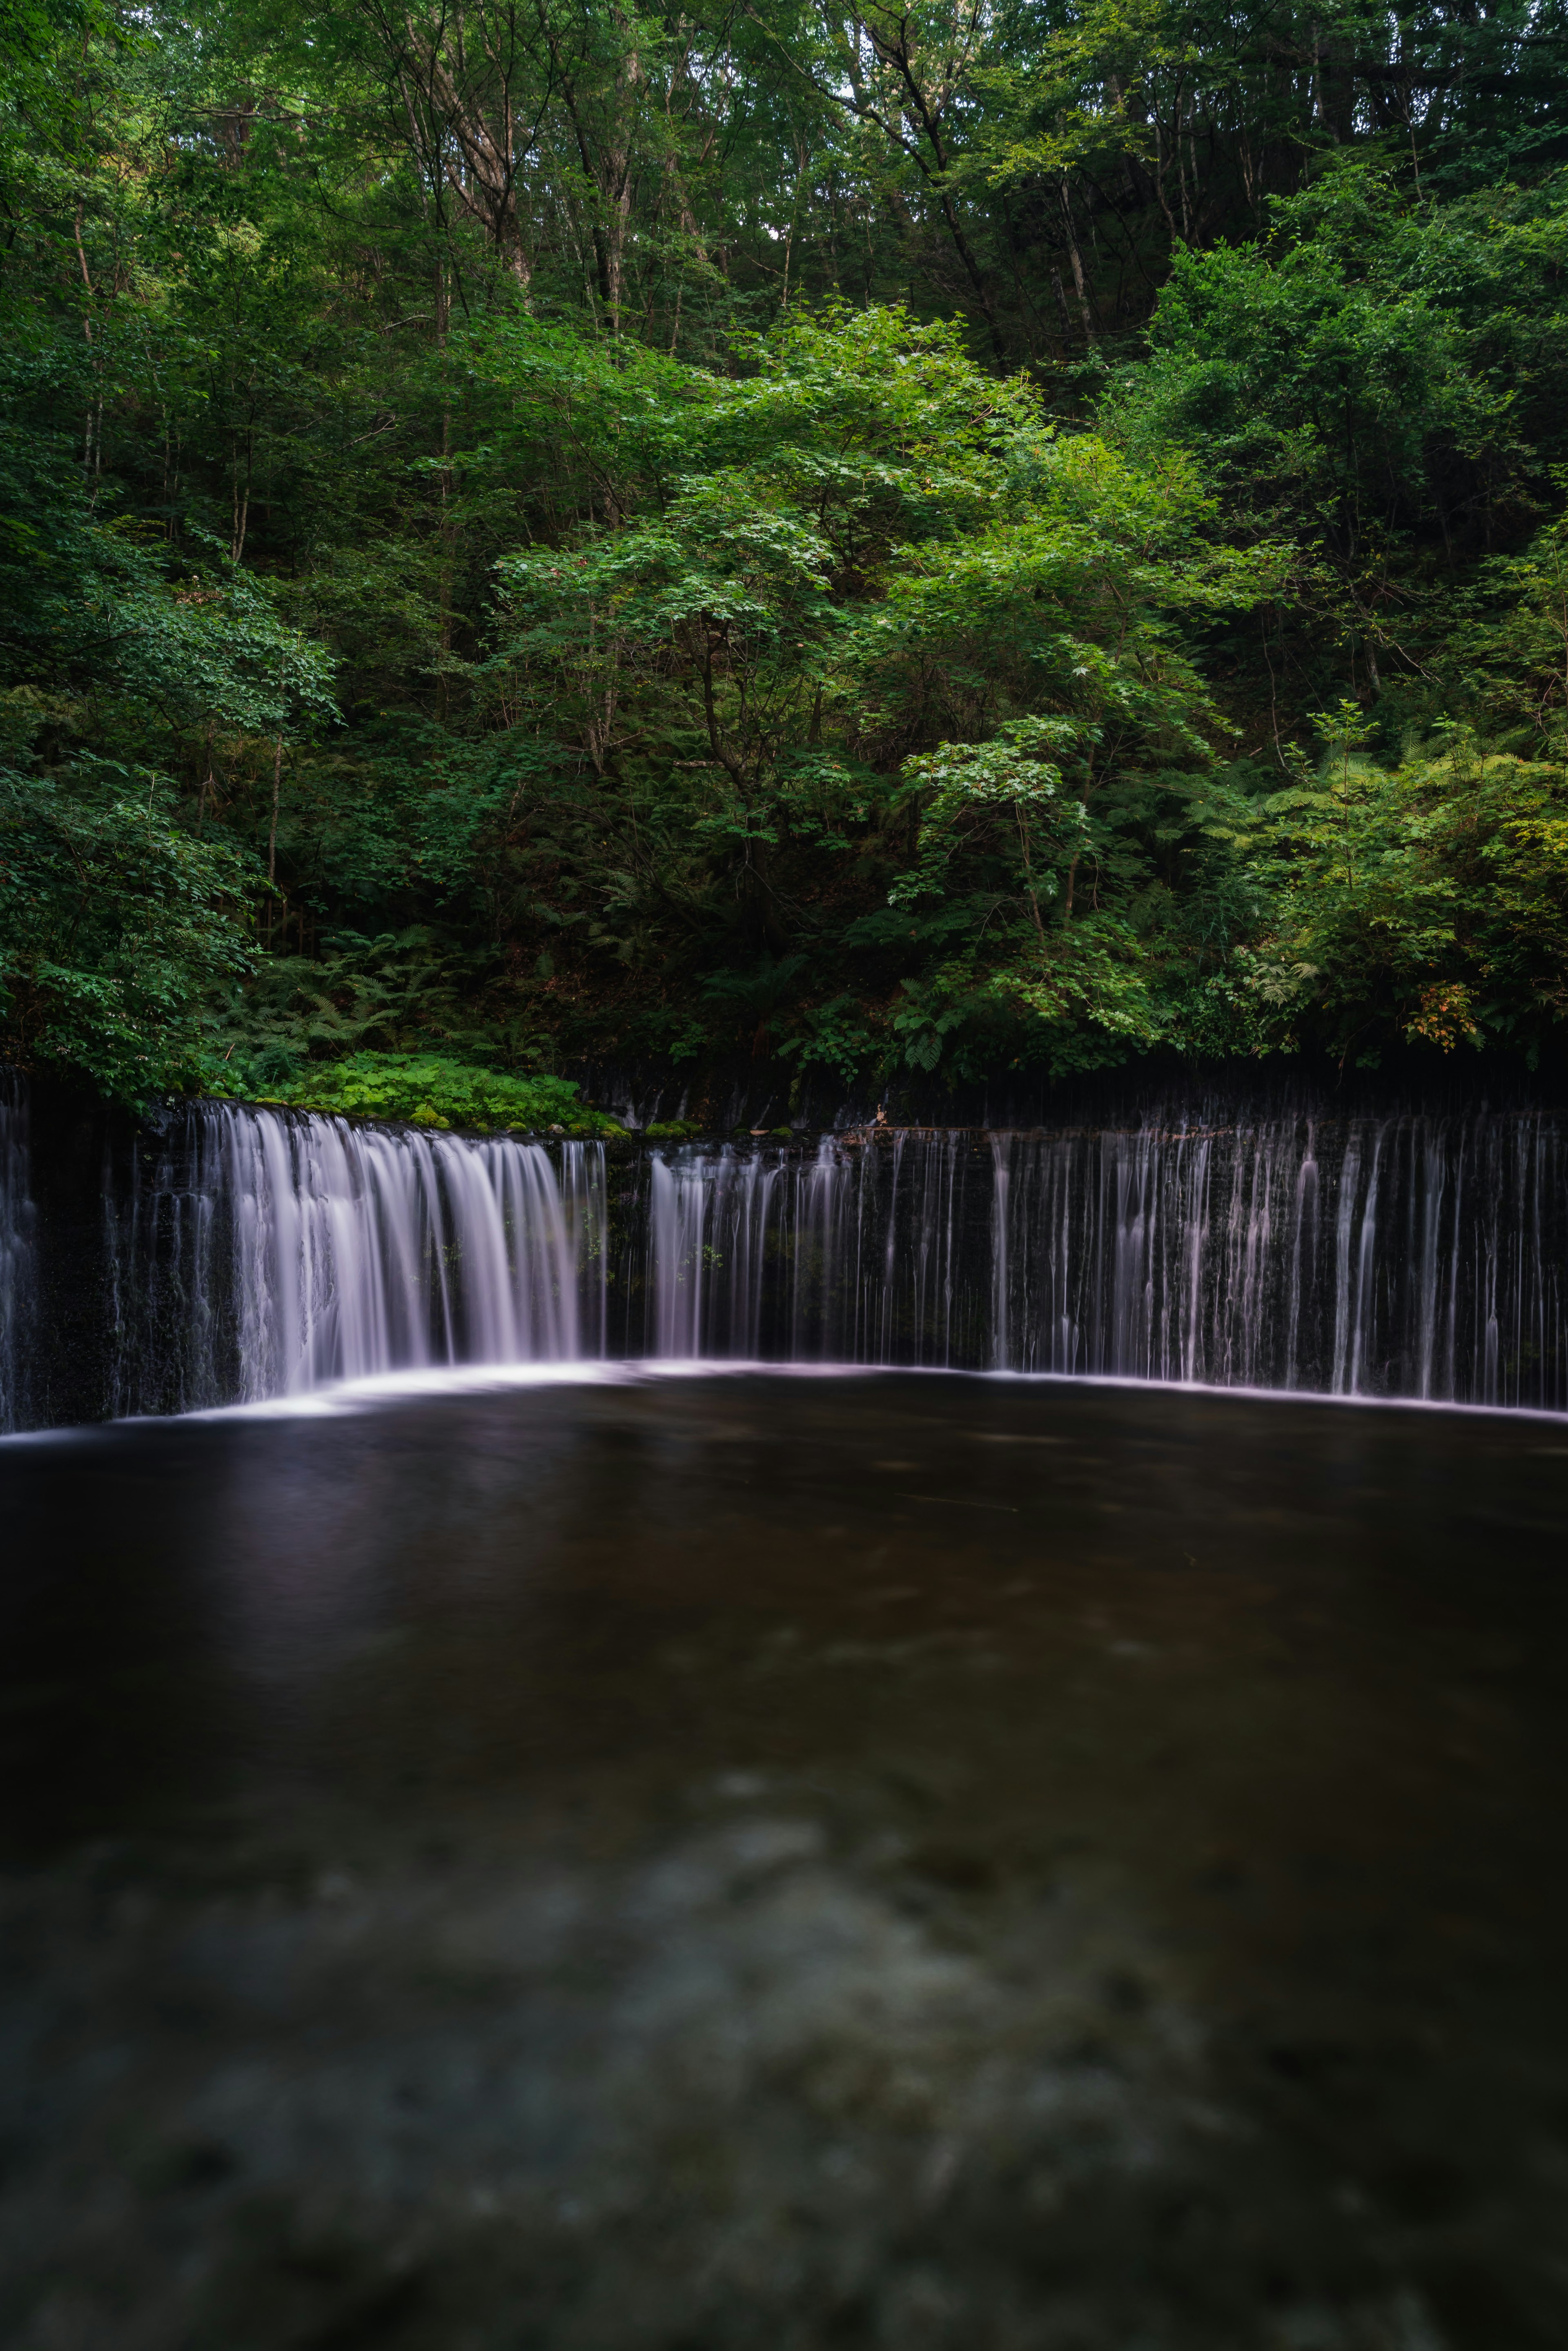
(429, 1091)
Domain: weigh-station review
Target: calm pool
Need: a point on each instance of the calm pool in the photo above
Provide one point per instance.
(679, 1863)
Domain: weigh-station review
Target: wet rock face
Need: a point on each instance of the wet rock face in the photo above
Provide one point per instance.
(885, 1862)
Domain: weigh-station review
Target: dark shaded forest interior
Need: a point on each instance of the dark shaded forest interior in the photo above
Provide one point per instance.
(989, 535)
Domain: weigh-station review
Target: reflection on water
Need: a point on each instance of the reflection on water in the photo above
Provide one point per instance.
(894, 1861)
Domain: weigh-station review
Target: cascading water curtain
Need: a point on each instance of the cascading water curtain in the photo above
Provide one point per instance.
(254, 1254)
(17, 1299)
(855, 1253)
(261, 1255)
(1413, 1256)
(1406, 1256)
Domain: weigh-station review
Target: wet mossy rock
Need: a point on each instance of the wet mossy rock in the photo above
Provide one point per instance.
(427, 1091)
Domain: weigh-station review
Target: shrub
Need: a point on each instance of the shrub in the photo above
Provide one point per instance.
(428, 1091)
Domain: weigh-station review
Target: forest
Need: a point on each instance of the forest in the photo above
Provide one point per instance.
(934, 539)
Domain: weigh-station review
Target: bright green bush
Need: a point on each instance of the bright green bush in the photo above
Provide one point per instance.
(428, 1091)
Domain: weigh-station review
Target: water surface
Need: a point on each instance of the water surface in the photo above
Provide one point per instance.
(897, 1860)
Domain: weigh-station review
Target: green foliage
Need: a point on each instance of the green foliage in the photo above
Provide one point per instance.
(1428, 902)
(115, 926)
(395, 990)
(836, 1036)
(1383, 386)
(1320, 379)
(428, 1091)
(828, 546)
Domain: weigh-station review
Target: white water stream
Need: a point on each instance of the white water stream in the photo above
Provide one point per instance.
(1402, 1256)
(257, 1255)
(299, 1250)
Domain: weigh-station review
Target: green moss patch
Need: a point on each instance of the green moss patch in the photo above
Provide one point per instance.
(425, 1090)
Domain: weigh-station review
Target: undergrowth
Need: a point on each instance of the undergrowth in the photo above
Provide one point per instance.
(427, 1089)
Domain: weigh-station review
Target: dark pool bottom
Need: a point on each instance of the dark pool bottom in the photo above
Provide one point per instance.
(894, 1861)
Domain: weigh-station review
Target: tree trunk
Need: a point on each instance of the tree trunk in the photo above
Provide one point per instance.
(1077, 260)
(277, 796)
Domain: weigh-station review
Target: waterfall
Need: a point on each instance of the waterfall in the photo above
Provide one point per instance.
(17, 1270)
(260, 1255)
(1406, 1256)
(828, 1256)
(1413, 1255)
(248, 1253)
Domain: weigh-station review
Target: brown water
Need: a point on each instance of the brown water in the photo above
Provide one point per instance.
(897, 1861)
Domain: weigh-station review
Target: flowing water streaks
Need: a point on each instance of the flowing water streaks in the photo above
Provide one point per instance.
(1406, 1256)
(256, 1254)
(260, 1255)
(841, 1254)
(1401, 1255)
